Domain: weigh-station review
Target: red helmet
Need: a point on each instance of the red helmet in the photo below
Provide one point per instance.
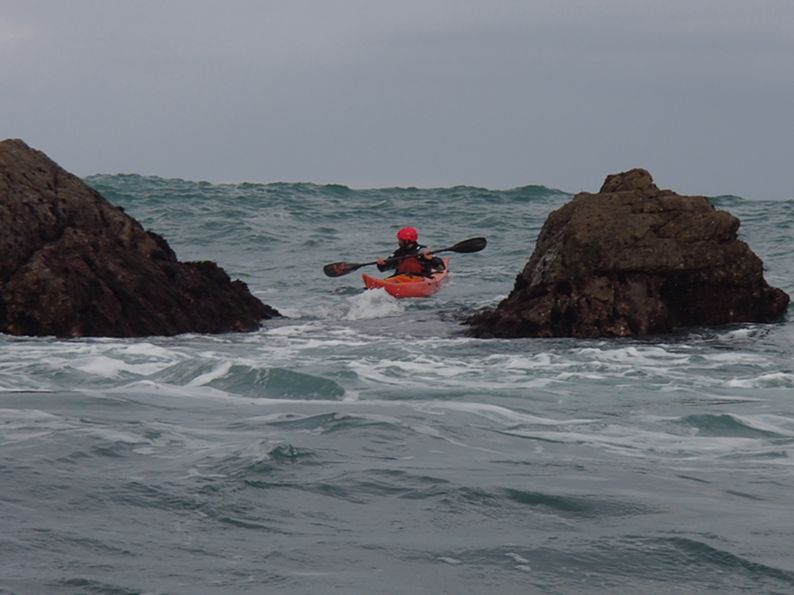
(408, 233)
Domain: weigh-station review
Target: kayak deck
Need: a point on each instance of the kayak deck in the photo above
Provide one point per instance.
(405, 286)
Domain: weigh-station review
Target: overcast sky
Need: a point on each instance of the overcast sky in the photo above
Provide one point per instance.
(494, 93)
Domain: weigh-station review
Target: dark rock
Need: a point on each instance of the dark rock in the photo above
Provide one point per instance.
(634, 260)
(71, 264)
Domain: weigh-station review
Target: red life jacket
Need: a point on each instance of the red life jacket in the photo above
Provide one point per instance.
(410, 265)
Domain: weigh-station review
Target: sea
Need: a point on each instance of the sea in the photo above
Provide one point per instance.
(365, 445)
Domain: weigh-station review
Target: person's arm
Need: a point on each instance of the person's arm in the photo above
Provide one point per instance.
(435, 262)
(385, 264)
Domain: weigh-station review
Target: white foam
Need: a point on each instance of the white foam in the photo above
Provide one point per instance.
(21, 425)
(373, 303)
(593, 364)
(732, 358)
(631, 441)
(517, 558)
(772, 380)
(424, 370)
(776, 424)
(633, 355)
(351, 395)
(218, 372)
(147, 349)
(293, 313)
(740, 334)
(112, 435)
(412, 373)
(108, 367)
(567, 376)
(533, 362)
(369, 304)
(292, 330)
(324, 344)
(495, 413)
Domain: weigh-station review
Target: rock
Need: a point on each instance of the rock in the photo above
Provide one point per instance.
(634, 260)
(73, 265)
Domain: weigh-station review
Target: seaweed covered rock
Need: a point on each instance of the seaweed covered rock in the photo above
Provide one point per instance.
(72, 264)
(634, 260)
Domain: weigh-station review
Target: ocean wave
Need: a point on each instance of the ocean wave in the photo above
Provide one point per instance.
(368, 441)
(733, 425)
(577, 505)
(618, 563)
(771, 380)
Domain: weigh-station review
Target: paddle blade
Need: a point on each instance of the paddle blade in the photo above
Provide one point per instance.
(337, 269)
(468, 246)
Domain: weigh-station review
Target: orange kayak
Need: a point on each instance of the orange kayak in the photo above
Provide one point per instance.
(405, 286)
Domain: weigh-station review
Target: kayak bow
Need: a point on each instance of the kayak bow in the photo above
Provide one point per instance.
(405, 286)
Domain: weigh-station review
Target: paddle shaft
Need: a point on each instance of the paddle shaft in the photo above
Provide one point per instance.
(337, 269)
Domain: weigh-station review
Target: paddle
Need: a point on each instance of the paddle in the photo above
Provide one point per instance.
(337, 269)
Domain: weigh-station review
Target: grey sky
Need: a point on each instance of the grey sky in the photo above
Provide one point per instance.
(494, 93)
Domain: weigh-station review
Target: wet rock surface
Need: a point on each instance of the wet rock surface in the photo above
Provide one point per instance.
(72, 264)
(634, 260)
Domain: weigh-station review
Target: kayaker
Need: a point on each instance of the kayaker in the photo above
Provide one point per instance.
(411, 258)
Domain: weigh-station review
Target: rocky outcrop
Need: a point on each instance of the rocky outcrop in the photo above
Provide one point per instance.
(72, 264)
(634, 260)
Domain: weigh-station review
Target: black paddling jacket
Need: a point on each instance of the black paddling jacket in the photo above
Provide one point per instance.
(413, 263)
